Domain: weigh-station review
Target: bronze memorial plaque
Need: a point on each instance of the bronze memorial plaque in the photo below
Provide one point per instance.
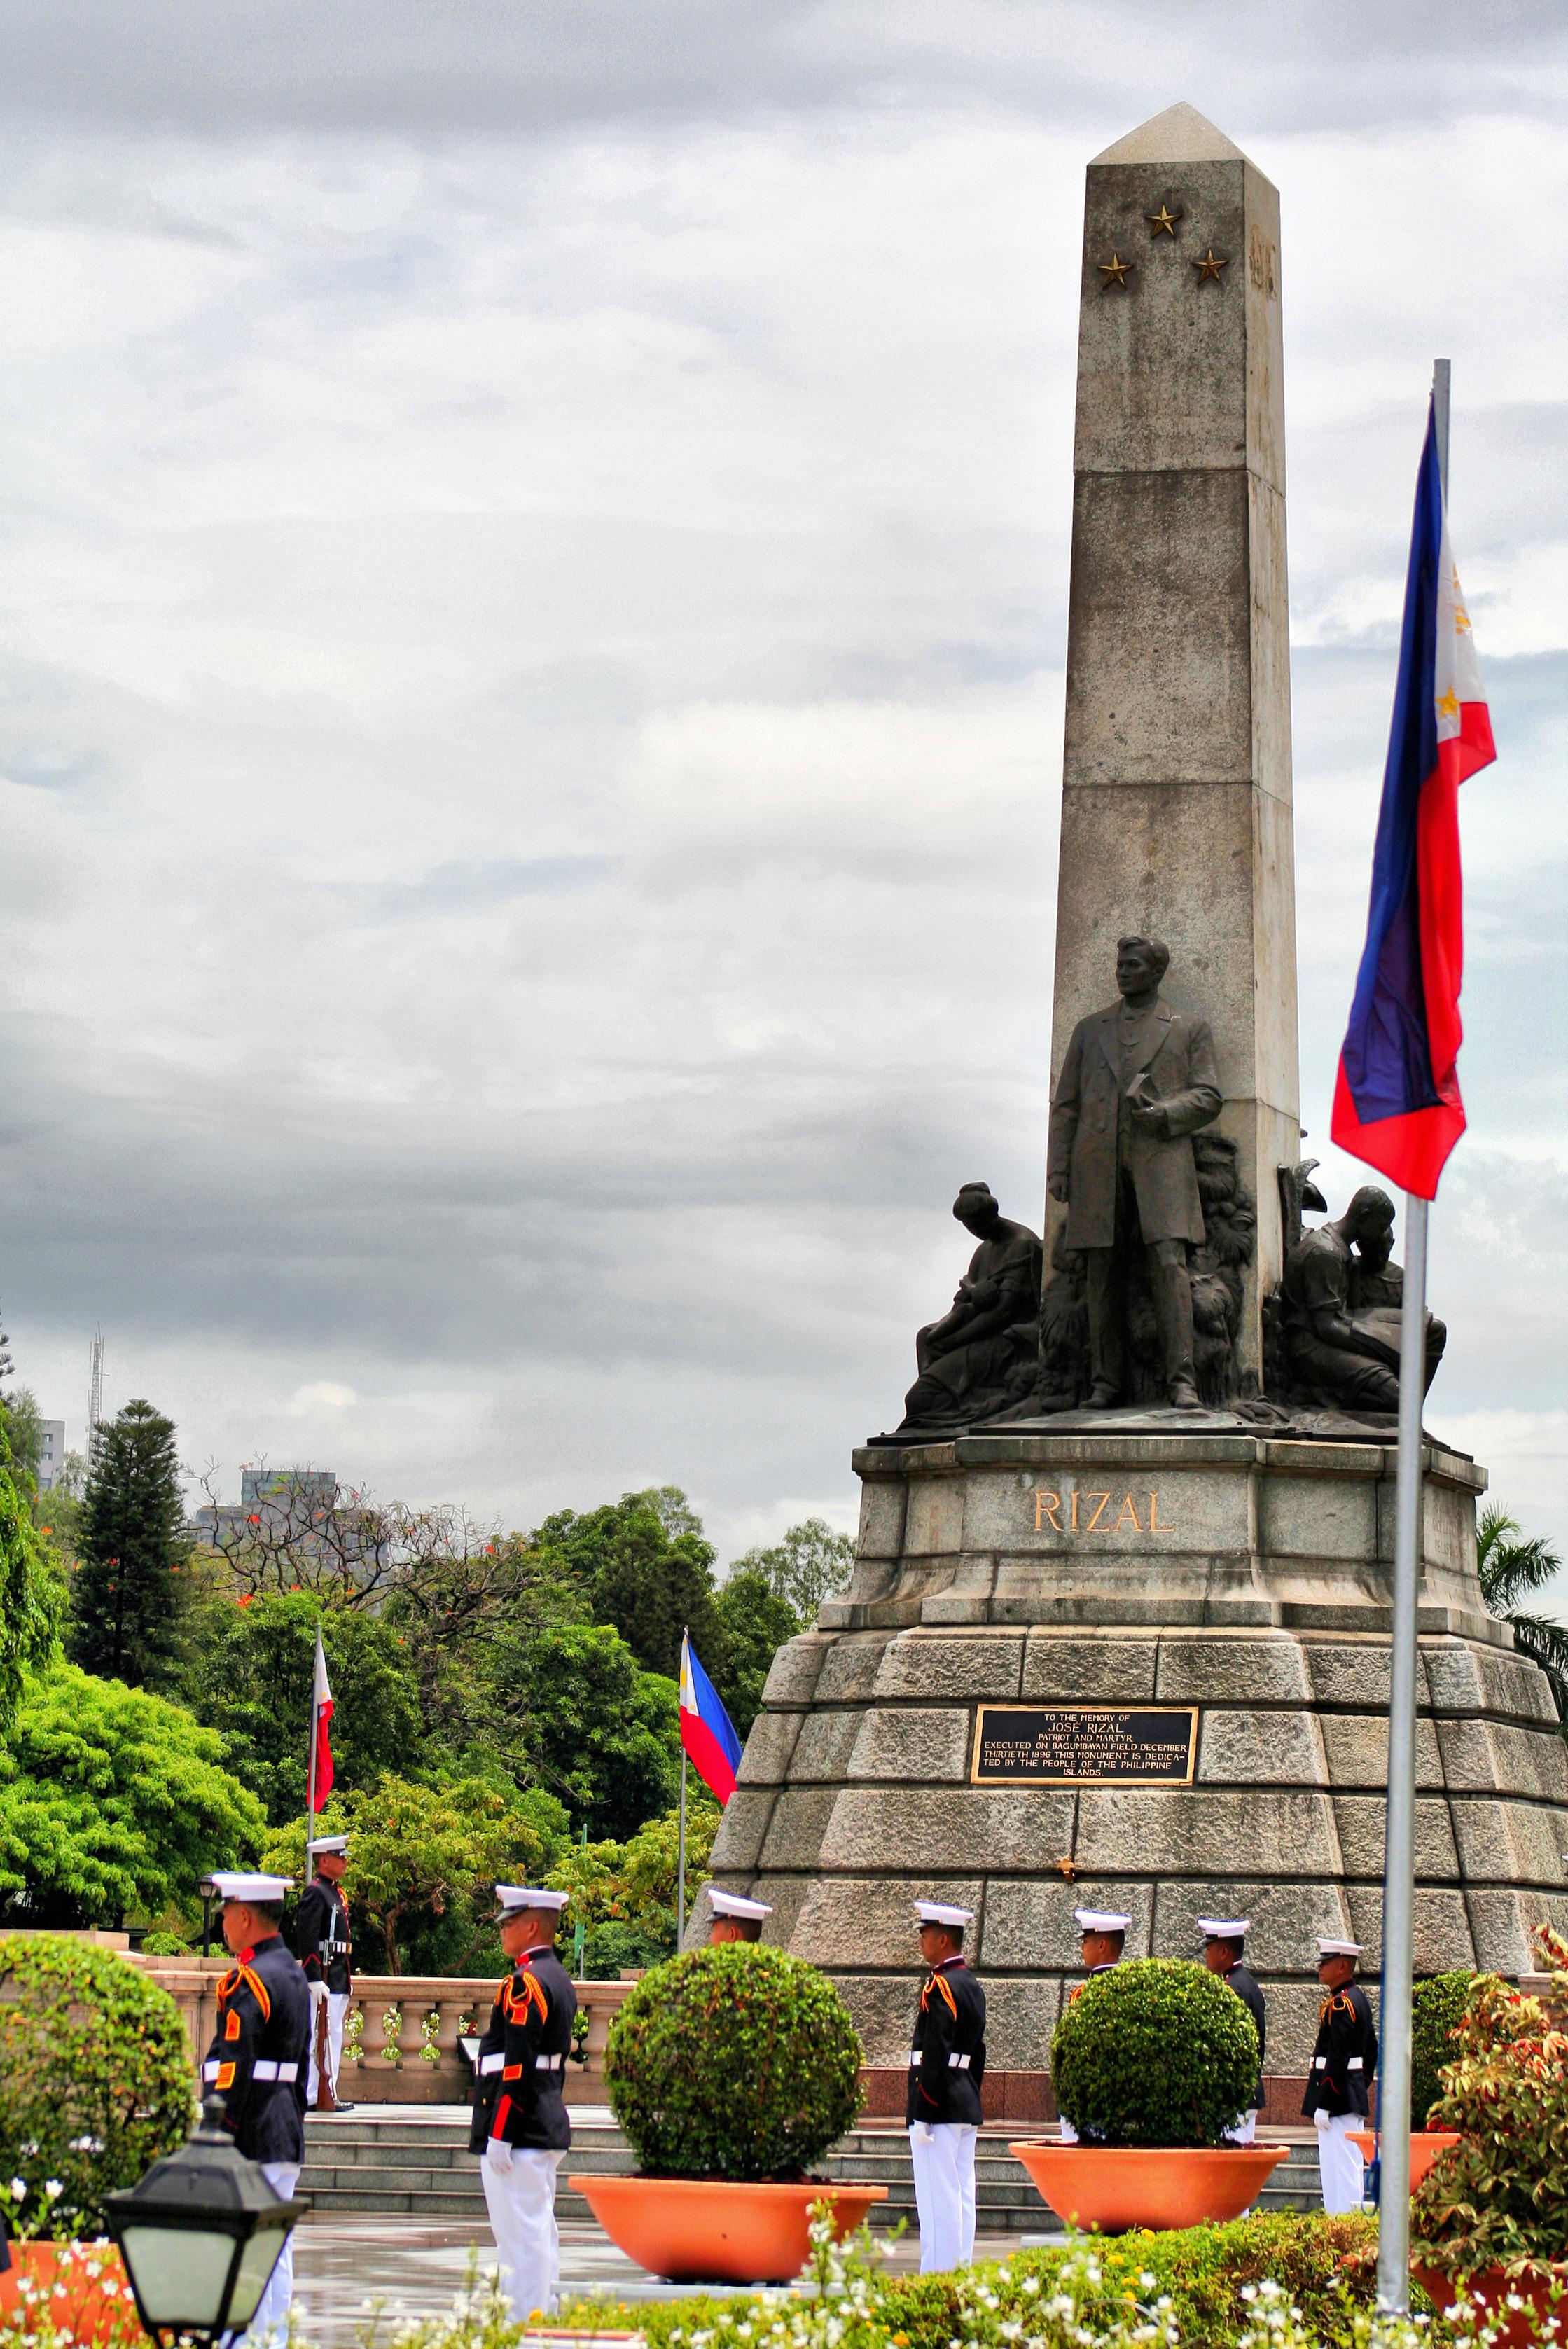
(1085, 1745)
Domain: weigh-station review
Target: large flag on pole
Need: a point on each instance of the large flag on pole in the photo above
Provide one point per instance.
(321, 1742)
(707, 1733)
(1396, 1100)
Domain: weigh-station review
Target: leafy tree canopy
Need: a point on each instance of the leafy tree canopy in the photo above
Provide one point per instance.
(113, 1802)
(632, 1885)
(32, 1590)
(423, 1861)
(809, 1564)
(571, 1708)
(646, 1567)
(127, 1599)
(1512, 1564)
(248, 1673)
(757, 1622)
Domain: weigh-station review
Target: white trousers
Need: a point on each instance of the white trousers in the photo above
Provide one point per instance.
(1069, 2134)
(336, 2016)
(521, 2206)
(1245, 2131)
(943, 2165)
(1339, 2161)
(270, 2325)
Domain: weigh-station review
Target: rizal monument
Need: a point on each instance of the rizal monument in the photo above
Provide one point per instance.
(1118, 1631)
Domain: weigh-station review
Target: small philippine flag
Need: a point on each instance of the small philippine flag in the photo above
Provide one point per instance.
(320, 1720)
(707, 1733)
(1396, 1099)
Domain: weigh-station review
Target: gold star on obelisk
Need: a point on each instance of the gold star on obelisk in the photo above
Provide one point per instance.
(1210, 266)
(1162, 219)
(1115, 271)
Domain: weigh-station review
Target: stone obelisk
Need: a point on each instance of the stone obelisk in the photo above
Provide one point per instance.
(1176, 794)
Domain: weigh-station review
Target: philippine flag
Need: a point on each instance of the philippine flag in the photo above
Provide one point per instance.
(321, 1742)
(707, 1733)
(1396, 1100)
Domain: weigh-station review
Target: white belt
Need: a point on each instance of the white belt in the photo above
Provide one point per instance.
(492, 2062)
(1355, 2064)
(283, 2072)
(547, 2063)
(955, 2063)
(1320, 2062)
(209, 2071)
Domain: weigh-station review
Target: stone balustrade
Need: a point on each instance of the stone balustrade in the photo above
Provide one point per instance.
(408, 2029)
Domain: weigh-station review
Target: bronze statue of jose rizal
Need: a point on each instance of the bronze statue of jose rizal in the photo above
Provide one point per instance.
(1137, 1082)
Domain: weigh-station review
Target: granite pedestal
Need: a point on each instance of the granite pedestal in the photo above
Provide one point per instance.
(1245, 1576)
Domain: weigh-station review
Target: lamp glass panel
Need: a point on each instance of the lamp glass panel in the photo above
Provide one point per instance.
(259, 2257)
(180, 2273)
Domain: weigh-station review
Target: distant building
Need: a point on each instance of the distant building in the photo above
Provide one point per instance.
(290, 1512)
(51, 1455)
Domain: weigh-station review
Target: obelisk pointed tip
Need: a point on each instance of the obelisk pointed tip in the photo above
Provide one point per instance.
(1180, 135)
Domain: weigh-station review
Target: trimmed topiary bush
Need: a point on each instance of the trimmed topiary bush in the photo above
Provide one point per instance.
(1436, 2010)
(739, 2061)
(1154, 2052)
(96, 2078)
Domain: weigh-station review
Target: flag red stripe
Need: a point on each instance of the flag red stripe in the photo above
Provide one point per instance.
(1412, 1150)
(706, 1756)
(323, 1752)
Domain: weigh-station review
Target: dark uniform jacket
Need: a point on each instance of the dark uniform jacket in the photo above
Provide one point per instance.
(947, 2051)
(1178, 1057)
(323, 1925)
(1245, 1987)
(1346, 2055)
(256, 2062)
(519, 2076)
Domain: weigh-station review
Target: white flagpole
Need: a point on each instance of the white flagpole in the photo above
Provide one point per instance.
(680, 1832)
(1400, 1845)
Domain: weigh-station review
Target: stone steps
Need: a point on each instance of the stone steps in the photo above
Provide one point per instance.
(395, 2168)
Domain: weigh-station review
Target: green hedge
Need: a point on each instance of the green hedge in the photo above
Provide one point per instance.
(95, 2077)
(1436, 2008)
(739, 2061)
(1157, 2051)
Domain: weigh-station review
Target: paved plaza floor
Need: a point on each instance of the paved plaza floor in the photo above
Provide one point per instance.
(346, 2269)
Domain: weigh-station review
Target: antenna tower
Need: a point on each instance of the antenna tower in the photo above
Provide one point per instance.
(95, 1405)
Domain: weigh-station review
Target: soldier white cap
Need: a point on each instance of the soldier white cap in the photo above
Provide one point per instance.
(942, 1913)
(1100, 1920)
(327, 1843)
(1328, 1947)
(511, 1899)
(1225, 1928)
(734, 1904)
(232, 1887)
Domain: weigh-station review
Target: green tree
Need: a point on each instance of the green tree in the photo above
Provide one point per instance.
(1511, 1564)
(422, 1861)
(810, 1563)
(757, 1622)
(650, 1581)
(25, 1431)
(32, 1590)
(113, 1803)
(126, 1599)
(624, 1893)
(568, 1707)
(247, 1672)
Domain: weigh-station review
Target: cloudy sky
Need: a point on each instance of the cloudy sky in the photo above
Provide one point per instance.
(531, 621)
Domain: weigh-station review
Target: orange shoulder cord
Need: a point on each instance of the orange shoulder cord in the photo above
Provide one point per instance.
(517, 2002)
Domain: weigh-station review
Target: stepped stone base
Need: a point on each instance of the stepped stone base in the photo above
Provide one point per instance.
(1246, 1576)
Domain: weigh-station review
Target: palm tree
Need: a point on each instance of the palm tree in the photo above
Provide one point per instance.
(1511, 1562)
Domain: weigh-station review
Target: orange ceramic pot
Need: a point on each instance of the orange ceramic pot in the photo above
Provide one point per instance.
(716, 2229)
(1489, 2289)
(79, 2287)
(1424, 2146)
(1114, 2187)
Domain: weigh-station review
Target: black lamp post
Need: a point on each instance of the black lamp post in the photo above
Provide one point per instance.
(200, 2235)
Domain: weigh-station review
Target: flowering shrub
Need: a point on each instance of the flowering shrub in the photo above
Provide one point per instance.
(354, 2036)
(429, 2037)
(95, 2079)
(1499, 2197)
(392, 2037)
(65, 2295)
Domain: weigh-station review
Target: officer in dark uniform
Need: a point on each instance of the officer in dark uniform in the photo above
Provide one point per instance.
(947, 2065)
(255, 2066)
(735, 1918)
(1104, 1932)
(1342, 2064)
(321, 1931)
(1224, 1938)
(520, 2124)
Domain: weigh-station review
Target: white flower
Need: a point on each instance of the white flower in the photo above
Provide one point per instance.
(53, 2188)
(19, 2189)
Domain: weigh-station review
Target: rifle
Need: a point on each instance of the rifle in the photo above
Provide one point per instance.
(325, 2096)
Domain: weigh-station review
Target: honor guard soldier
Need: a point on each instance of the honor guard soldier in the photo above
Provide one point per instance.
(1342, 2064)
(322, 1933)
(520, 2124)
(255, 2066)
(947, 2065)
(1104, 1932)
(735, 1919)
(1224, 1942)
